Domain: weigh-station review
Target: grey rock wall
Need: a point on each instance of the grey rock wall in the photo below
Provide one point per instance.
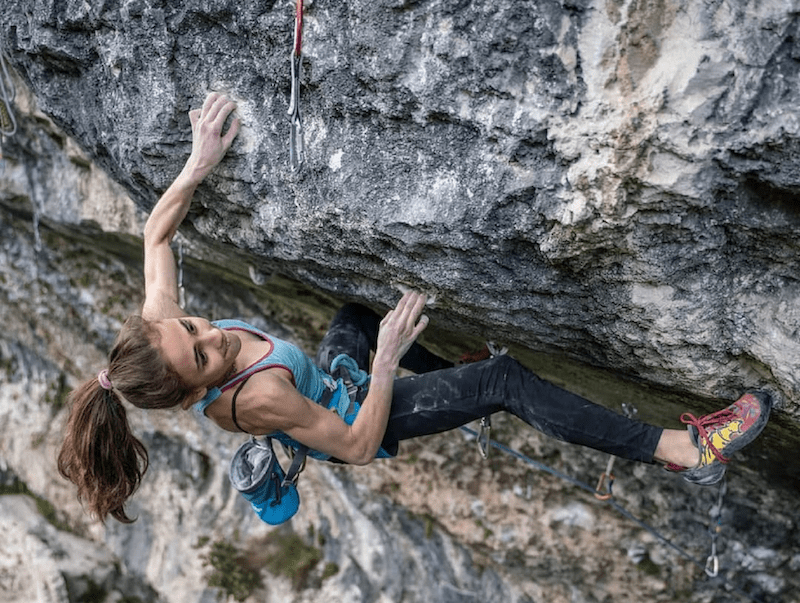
(615, 181)
(614, 184)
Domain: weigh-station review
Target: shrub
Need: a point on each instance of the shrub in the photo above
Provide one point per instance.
(230, 572)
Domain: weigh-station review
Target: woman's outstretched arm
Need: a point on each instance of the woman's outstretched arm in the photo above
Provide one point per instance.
(209, 145)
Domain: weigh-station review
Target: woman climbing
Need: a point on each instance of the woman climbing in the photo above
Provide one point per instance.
(247, 381)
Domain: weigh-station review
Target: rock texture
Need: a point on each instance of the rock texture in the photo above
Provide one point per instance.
(615, 179)
(611, 187)
(46, 565)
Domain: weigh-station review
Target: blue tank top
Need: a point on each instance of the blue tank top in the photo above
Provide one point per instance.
(310, 380)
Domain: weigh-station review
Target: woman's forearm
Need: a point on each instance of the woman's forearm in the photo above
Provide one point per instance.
(172, 207)
(398, 330)
(170, 210)
(370, 425)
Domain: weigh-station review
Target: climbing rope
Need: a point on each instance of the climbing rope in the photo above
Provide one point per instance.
(296, 150)
(710, 567)
(358, 376)
(8, 123)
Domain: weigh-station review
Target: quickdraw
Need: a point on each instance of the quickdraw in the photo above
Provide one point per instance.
(630, 411)
(598, 492)
(715, 527)
(296, 149)
(484, 437)
(181, 288)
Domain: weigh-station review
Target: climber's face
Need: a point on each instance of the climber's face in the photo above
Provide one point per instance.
(202, 354)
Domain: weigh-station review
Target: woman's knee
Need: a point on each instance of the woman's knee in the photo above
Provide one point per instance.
(509, 376)
(505, 364)
(354, 313)
(353, 331)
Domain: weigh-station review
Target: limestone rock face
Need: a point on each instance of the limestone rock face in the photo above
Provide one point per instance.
(46, 565)
(601, 184)
(613, 180)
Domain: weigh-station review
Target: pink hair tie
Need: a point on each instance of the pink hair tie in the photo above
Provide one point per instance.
(105, 382)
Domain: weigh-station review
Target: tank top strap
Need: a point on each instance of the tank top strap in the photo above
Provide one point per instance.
(215, 392)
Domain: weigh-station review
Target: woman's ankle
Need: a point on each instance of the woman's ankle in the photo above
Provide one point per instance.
(675, 446)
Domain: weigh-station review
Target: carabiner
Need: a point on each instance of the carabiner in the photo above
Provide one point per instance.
(712, 566)
(597, 494)
(607, 474)
(296, 147)
(302, 467)
(484, 437)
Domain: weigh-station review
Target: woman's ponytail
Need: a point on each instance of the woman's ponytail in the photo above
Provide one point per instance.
(100, 453)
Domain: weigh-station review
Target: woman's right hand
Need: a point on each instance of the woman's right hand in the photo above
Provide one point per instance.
(399, 329)
(209, 144)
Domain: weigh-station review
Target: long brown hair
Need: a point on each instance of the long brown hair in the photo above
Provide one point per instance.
(100, 454)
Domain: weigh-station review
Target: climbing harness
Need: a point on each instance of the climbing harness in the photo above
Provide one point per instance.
(296, 150)
(630, 411)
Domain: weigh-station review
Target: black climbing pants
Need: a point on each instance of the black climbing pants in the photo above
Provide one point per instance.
(441, 396)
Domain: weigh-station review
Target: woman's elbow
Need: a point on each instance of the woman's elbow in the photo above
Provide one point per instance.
(153, 236)
(361, 454)
(362, 460)
(353, 445)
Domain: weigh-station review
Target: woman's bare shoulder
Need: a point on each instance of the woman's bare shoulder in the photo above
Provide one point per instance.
(263, 404)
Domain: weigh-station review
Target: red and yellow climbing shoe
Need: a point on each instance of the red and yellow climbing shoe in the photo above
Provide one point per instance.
(720, 434)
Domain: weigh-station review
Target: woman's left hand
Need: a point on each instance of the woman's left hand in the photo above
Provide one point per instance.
(400, 328)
